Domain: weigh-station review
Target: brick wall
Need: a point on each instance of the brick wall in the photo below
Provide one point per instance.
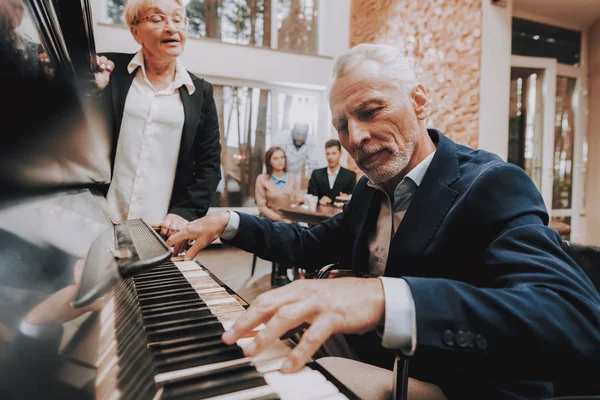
(444, 39)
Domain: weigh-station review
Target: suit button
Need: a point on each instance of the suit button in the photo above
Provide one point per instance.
(461, 339)
(448, 338)
(481, 342)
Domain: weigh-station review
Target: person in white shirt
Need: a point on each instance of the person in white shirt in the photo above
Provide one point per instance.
(299, 148)
(455, 264)
(166, 148)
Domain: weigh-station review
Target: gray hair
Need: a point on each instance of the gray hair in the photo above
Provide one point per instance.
(399, 68)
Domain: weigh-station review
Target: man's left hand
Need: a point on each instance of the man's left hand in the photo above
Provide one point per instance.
(329, 306)
(169, 226)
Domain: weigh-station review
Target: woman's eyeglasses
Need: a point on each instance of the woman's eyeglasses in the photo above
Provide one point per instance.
(160, 20)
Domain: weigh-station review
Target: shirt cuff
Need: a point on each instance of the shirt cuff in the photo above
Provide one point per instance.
(232, 226)
(39, 331)
(400, 325)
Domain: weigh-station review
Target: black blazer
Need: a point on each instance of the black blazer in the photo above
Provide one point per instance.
(498, 301)
(318, 185)
(199, 164)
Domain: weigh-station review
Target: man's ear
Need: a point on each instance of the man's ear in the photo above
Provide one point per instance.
(420, 101)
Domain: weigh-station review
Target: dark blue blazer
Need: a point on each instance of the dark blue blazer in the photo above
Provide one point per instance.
(497, 299)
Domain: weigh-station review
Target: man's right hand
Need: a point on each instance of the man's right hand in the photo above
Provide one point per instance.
(204, 231)
(325, 200)
(105, 67)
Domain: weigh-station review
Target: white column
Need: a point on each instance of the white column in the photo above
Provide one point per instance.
(496, 39)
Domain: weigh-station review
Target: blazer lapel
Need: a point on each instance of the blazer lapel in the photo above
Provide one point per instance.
(192, 109)
(120, 84)
(427, 210)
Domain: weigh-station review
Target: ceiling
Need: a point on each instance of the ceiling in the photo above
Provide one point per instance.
(580, 14)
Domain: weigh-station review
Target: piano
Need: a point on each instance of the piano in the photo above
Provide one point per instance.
(154, 335)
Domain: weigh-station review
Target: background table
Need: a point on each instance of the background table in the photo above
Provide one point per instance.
(301, 214)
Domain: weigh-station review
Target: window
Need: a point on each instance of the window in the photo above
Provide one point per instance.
(244, 119)
(248, 22)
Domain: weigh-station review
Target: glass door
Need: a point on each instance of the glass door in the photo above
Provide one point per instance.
(547, 135)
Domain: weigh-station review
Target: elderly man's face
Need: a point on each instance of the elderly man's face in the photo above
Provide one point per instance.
(376, 123)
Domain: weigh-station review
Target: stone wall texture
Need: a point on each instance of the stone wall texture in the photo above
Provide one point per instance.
(443, 37)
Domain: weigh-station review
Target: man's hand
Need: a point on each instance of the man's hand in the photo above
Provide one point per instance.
(105, 67)
(324, 201)
(329, 306)
(343, 196)
(169, 226)
(204, 231)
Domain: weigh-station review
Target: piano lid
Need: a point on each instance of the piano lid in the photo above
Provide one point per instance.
(53, 147)
(53, 136)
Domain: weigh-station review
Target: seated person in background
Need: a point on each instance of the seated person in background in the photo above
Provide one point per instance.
(275, 188)
(334, 180)
(166, 149)
(464, 274)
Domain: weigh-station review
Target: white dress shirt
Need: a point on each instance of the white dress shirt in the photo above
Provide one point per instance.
(400, 325)
(331, 176)
(148, 146)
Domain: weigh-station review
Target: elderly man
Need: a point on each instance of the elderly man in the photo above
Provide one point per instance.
(458, 266)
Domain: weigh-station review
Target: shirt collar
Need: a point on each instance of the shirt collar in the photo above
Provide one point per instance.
(334, 172)
(182, 77)
(416, 174)
(276, 179)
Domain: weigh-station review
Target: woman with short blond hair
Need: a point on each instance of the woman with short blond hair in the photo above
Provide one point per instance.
(166, 150)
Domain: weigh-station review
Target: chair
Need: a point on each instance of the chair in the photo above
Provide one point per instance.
(586, 256)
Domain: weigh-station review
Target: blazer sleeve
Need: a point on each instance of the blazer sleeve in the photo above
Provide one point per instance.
(539, 317)
(206, 164)
(260, 196)
(313, 187)
(287, 243)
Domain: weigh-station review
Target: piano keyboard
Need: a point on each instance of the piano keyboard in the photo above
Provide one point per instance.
(160, 338)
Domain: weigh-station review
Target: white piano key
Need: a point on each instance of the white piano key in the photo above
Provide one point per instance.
(306, 376)
(309, 392)
(195, 274)
(230, 300)
(187, 266)
(189, 372)
(245, 394)
(337, 396)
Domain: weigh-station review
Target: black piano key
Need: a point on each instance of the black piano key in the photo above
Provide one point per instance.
(151, 309)
(271, 396)
(166, 343)
(165, 283)
(142, 295)
(182, 312)
(185, 330)
(216, 385)
(198, 359)
(177, 321)
(161, 299)
(181, 349)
